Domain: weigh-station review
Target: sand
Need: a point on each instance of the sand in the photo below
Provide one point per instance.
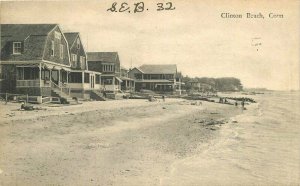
(122, 142)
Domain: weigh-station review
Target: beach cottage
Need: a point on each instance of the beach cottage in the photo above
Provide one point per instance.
(82, 82)
(158, 78)
(35, 61)
(108, 64)
(127, 84)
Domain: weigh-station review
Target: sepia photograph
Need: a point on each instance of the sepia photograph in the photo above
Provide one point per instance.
(150, 93)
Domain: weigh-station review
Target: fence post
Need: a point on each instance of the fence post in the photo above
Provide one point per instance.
(5, 98)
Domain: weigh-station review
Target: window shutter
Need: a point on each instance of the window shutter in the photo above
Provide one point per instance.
(22, 47)
(11, 47)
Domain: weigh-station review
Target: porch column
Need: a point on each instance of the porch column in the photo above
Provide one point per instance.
(82, 73)
(114, 83)
(50, 74)
(100, 81)
(59, 80)
(67, 77)
(40, 74)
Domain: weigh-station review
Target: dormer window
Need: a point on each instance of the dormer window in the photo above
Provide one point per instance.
(16, 47)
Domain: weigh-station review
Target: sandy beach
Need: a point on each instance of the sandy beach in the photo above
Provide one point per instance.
(122, 142)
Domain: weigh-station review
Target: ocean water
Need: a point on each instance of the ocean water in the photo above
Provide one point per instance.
(262, 148)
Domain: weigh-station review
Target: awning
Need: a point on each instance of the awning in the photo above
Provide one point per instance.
(47, 66)
(120, 80)
(126, 79)
(56, 68)
(65, 69)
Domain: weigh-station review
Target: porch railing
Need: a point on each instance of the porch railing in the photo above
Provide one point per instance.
(28, 83)
(62, 87)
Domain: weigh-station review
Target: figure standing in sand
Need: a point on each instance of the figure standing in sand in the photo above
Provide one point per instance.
(163, 98)
(243, 104)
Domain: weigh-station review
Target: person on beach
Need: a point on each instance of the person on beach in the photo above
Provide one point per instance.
(22, 106)
(163, 98)
(26, 107)
(243, 104)
(236, 103)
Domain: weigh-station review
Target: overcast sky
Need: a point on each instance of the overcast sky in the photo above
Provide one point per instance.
(193, 36)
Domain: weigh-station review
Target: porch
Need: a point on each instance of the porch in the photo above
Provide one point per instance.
(127, 84)
(111, 83)
(40, 79)
(33, 77)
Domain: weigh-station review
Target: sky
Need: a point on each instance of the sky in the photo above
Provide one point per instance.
(194, 35)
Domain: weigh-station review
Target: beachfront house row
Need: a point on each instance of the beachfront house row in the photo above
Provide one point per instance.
(35, 61)
(108, 64)
(159, 78)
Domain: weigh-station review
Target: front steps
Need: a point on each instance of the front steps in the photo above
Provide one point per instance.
(62, 95)
(96, 95)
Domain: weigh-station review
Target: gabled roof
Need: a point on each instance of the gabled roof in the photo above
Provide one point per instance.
(71, 37)
(20, 32)
(158, 69)
(111, 57)
(34, 35)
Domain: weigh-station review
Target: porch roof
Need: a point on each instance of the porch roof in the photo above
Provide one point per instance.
(86, 71)
(120, 80)
(153, 81)
(127, 78)
(43, 65)
(33, 62)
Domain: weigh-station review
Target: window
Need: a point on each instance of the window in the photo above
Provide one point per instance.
(73, 59)
(108, 68)
(138, 76)
(45, 74)
(82, 61)
(75, 77)
(52, 48)
(57, 35)
(16, 47)
(78, 43)
(27, 73)
(108, 81)
(61, 51)
(97, 79)
(86, 77)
